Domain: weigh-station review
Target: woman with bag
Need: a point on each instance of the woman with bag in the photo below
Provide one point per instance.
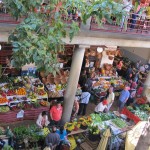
(84, 100)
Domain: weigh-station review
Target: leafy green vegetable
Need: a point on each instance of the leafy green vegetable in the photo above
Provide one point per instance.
(119, 122)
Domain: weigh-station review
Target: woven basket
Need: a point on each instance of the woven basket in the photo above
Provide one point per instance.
(50, 80)
(44, 80)
(92, 53)
(110, 57)
(99, 55)
(66, 73)
(50, 76)
(42, 74)
(57, 80)
(64, 80)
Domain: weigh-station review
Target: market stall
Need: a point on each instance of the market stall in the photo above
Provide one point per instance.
(24, 94)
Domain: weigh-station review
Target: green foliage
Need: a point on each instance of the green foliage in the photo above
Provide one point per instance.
(38, 38)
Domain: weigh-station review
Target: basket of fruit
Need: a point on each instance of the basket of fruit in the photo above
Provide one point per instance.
(44, 103)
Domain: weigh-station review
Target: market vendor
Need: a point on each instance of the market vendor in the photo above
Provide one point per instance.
(56, 114)
(42, 120)
(110, 98)
(102, 106)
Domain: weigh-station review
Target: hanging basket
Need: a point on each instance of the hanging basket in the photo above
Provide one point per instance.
(50, 80)
(99, 55)
(44, 80)
(50, 76)
(66, 73)
(64, 80)
(92, 53)
(42, 74)
(111, 57)
(57, 80)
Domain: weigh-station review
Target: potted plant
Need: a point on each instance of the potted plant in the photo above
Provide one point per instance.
(94, 133)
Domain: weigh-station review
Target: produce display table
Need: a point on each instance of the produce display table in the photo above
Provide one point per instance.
(130, 115)
(31, 114)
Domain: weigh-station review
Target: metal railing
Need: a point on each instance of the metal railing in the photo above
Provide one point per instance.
(132, 24)
(6, 18)
(68, 19)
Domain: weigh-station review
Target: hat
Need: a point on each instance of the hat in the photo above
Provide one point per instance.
(105, 102)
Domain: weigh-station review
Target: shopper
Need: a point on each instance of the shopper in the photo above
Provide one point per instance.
(127, 8)
(138, 64)
(132, 95)
(110, 98)
(142, 68)
(83, 78)
(140, 90)
(56, 114)
(119, 68)
(84, 100)
(62, 133)
(53, 139)
(136, 76)
(129, 72)
(102, 106)
(42, 120)
(63, 137)
(75, 107)
(124, 95)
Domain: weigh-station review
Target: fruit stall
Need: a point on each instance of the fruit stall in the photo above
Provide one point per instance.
(21, 93)
(56, 85)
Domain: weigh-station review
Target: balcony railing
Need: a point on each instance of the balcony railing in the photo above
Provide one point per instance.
(133, 24)
(6, 18)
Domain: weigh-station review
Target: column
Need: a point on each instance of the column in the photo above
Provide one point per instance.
(147, 85)
(73, 82)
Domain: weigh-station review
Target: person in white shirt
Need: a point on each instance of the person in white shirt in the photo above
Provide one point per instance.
(84, 100)
(42, 120)
(110, 97)
(127, 8)
(101, 107)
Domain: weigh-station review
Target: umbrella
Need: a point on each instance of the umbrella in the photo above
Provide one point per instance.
(103, 142)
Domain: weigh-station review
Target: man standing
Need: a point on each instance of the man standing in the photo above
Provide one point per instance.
(124, 95)
(56, 114)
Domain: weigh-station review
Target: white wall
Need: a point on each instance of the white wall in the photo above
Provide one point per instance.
(136, 53)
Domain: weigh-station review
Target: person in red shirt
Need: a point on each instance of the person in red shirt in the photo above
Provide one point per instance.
(56, 114)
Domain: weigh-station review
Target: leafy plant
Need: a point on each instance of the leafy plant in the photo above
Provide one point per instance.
(94, 129)
(39, 37)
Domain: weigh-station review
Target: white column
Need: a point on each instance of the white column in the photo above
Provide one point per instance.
(147, 85)
(73, 82)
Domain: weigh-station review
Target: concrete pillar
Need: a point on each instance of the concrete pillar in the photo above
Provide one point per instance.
(147, 85)
(73, 82)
